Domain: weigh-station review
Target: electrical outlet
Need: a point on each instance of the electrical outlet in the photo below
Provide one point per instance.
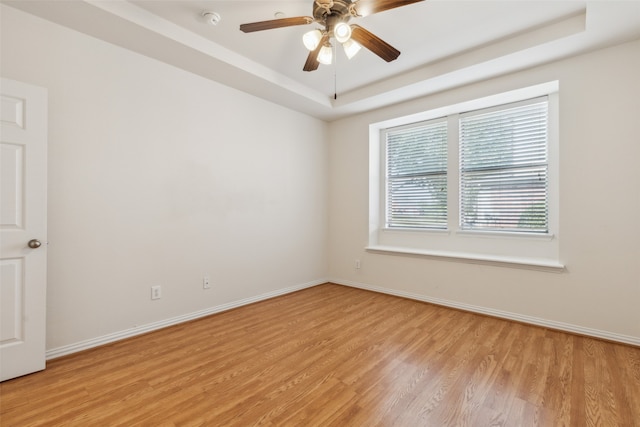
(206, 284)
(156, 292)
(358, 264)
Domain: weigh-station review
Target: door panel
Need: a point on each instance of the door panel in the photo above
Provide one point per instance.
(11, 297)
(23, 217)
(11, 211)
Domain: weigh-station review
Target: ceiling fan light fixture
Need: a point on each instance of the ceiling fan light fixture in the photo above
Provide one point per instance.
(311, 39)
(351, 48)
(326, 55)
(333, 17)
(342, 32)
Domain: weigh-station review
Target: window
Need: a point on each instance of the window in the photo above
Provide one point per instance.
(477, 180)
(417, 176)
(503, 168)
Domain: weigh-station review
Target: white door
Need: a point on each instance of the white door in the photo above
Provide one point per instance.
(23, 228)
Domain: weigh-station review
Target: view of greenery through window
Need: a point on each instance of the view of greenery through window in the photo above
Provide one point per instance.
(502, 170)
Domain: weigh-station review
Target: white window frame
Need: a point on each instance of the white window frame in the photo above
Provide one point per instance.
(528, 250)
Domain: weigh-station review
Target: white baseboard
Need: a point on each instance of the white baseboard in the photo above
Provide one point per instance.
(117, 336)
(566, 327)
(138, 330)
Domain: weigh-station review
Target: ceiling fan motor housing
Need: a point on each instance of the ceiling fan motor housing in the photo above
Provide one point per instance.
(331, 12)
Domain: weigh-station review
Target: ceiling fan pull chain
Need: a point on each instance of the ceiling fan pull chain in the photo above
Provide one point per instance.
(335, 74)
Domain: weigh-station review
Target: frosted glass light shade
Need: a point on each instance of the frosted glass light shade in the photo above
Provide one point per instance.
(326, 55)
(311, 39)
(342, 32)
(351, 48)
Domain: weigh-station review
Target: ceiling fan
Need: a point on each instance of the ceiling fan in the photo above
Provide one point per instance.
(333, 16)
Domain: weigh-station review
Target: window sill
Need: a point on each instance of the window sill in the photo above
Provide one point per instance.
(526, 263)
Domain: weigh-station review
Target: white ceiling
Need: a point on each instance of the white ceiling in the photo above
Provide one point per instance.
(444, 43)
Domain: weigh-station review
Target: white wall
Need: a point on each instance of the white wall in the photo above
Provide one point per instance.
(157, 177)
(599, 293)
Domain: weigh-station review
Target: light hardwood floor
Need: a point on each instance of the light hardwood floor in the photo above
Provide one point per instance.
(336, 356)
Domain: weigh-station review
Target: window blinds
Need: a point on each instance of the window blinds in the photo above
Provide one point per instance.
(503, 168)
(417, 176)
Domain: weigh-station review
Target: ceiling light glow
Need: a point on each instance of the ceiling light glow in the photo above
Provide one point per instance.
(342, 32)
(326, 55)
(351, 48)
(311, 39)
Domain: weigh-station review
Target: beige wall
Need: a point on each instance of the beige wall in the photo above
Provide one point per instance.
(599, 293)
(157, 177)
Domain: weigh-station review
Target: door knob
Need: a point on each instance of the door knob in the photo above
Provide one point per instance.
(34, 243)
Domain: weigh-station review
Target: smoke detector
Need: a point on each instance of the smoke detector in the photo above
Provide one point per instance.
(211, 18)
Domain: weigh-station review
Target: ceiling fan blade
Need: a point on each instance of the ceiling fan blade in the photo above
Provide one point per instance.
(275, 23)
(369, 7)
(312, 60)
(374, 43)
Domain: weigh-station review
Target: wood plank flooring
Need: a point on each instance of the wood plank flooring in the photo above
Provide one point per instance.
(336, 356)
